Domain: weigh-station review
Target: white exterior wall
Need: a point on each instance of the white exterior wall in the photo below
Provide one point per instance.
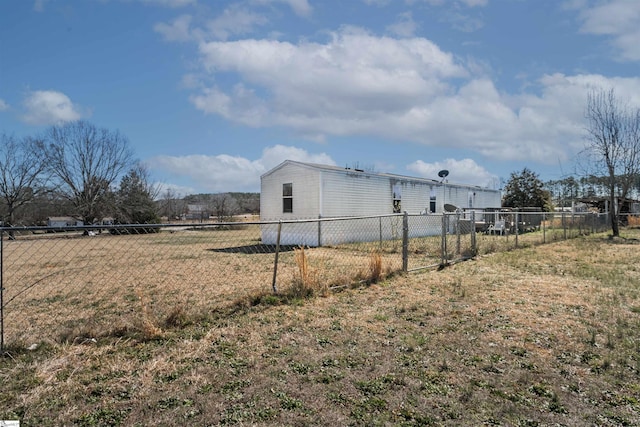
(352, 193)
(306, 193)
(336, 193)
(361, 194)
(459, 195)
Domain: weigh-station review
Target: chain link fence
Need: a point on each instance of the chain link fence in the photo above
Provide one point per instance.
(75, 283)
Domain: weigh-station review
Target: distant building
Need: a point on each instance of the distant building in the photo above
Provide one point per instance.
(601, 204)
(63, 221)
(197, 212)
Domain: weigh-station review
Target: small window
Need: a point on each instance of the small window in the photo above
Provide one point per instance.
(432, 201)
(287, 198)
(397, 198)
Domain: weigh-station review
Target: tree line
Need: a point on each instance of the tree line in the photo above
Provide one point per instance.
(79, 170)
(73, 170)
(221, 206)
(525, 189)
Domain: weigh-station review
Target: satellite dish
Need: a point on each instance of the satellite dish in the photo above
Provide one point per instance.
(450, 208)
(443, 173)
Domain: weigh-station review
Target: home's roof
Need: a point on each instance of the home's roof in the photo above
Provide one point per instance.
(339, 169)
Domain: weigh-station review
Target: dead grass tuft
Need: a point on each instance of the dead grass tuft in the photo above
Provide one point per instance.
(177, 317)
(375, 267)
(634, 221)
(374, 271)
(148, 326)
(307, 282)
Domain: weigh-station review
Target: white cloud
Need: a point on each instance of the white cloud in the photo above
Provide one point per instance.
(341, 86)
(234, 20)
(38, 5)
(45, 107)
(454, 3)
(475, 3)
(465, 171)
(376, 2)
(617, 19)
(299, 7)
(178, 30)
(170, 3)
(405, 26)
(463, 22)
(231, 173)
(176, 191)
(358, 84)
(3, 105)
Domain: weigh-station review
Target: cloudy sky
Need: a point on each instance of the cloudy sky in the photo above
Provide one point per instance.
(213, 93)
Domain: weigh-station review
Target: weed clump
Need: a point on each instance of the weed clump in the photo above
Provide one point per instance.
(148, 326)
(375, 270)
(307, 282)
(375, 267)
(177, 317)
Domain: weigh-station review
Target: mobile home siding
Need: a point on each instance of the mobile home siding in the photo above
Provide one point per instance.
(353, 193)
(306, 193)
(331, 192)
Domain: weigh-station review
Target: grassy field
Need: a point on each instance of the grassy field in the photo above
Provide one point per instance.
(544, 335)
(66, 287)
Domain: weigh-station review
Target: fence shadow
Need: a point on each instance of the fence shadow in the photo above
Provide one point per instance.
(255, 249)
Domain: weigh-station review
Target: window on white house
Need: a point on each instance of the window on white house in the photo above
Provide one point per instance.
(287, 198)
(397, 198)
(432, 201)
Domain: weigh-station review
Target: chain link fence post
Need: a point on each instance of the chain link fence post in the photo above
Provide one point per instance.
(443, 243)
(405, 242)
(517, 230)
(275, 262)
(474, 248)
(458, 242)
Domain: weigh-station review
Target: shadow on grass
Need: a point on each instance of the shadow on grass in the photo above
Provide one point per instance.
(255, 249)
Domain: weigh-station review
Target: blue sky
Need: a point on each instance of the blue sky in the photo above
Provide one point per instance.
(212, 94)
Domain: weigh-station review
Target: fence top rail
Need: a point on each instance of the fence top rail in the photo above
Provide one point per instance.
(94, 227)
(121, 226)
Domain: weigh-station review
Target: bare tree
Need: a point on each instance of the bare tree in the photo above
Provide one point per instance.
(170, 204)
(22, 173)
(223, 206)
(613, 146)
(86, 161)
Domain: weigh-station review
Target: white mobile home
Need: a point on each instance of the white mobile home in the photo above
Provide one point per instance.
(63, 221)
(296, 190)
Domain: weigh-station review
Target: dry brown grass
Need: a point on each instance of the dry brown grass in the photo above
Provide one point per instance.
(61, 288)
(375, 267)
(307, 282)
(634, 221)
(546, 335)
(148, 326)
